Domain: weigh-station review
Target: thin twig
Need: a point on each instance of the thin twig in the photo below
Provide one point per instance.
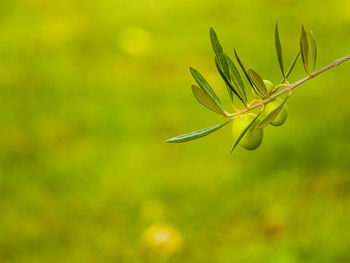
(289, 88)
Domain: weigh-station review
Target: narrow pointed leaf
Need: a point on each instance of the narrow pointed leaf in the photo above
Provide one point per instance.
(229, 90)
(314, 50)
(236, 79)
(227, 81)
(215, 42)
(197, 134)
(243, 133)
(272, 115)
(259, 83)
(243, 69)
(219, 53)
(279, 50)
(228, 72)
(291, 66)
(204, 85)
(304, 49)
(206, 100)
(222, 65)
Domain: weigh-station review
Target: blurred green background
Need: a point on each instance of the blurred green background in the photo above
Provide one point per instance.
(89, 91)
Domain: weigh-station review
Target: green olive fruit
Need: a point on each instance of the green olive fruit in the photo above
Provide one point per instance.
(282, 115)
(269, 85)
(253, 137)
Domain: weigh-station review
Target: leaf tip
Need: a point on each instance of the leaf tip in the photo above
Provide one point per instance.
(212, 32)
(192, 70)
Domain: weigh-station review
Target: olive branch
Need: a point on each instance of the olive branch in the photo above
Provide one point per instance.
(289, 88)
(263, 94)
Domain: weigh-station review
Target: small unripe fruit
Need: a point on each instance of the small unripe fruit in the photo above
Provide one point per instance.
(269, 85)
(253, 137)
(282, 115)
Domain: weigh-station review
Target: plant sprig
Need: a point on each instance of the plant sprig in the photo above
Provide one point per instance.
(263, 94)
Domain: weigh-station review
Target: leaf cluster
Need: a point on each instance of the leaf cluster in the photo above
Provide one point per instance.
(304, 49)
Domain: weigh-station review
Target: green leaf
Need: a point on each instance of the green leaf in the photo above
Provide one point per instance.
(204, 85)
(279, 50)
(219, 53)
(304, 49)
(243, 69)
(227, 81)
(291, 66)
(314, 50)
(215, 42)
(197, 134)
(207, 100)
(236, 79)
(229, 90)
(243, 133)
(223, 65)
(224, 69)
(272, 115)
(259, 83)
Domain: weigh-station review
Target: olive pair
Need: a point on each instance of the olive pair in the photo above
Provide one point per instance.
(254, 136)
